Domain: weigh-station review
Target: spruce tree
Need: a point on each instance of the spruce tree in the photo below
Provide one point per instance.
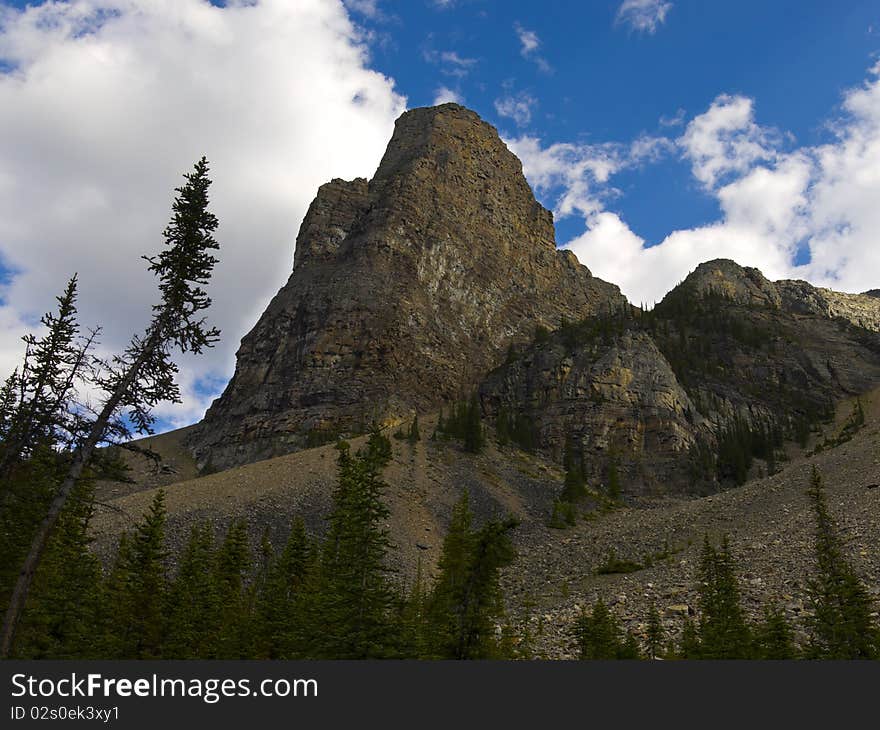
(193, 601)
(453, 567)
(466, 599)
(773, 636)
(655, 635)
(279, 604)
(233, 563)
(723, 630)
(61, 617)
(144, 374)
(35, 400)
(137, 597)
(689, 644)
(351, 611)
(598, 635)
(414, 436)
(841, 626)
(472, 426)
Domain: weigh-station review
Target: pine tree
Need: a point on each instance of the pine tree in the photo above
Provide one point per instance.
(655, 635)
(193, 601)
(350, 613)
(466, 598)
(597, 635)
(773, 636)
(473, 427)
(280, 603)
(232, 565)
(841, 626)
(723, 630)
(144, 374)
(137, 591)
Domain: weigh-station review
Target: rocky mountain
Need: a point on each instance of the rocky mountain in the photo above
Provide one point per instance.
(405, 290)
(683, 398)
(440, 277)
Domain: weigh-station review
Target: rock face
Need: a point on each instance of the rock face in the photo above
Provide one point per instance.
(604, 402)
(749, 286)
(727, 356)
(405, 291)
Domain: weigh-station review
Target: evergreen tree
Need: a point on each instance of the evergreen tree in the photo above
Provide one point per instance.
(773, 636)
(689, 643)
(378, 448)
(350, 615)
(279, 605)
(144, 374)
(35, 401)
(473, 427)
(60, 619)
(232, 565)
(137, 589)
(723, 630)
(193, 601)
(656, 636)
(598, 635)
(841, 626)
(466, 599)
(575, 486)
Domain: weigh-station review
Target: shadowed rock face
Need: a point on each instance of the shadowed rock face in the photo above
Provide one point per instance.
(725, 346)
(405, 291)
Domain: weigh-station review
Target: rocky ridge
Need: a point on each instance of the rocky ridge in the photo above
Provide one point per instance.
(405, 290)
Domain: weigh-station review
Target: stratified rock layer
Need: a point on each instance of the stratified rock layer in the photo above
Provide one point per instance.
(636, 392)
(405, 291)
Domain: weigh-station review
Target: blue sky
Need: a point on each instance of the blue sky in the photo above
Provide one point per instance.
(662, 133)
(607, 81)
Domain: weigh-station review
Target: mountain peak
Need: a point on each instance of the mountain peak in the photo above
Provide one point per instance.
(406, 290)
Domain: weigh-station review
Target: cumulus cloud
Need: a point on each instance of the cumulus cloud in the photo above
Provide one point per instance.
(369, 8)
(516, 106)
(726, 140)
(582, 171)
(105, 103)
(444, 94)
(644, 16)
(805, 212)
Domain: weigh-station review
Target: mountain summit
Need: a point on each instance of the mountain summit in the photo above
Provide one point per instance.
(406, 289)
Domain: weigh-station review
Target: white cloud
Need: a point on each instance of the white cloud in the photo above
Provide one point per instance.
(368, 8)
(725, 140)
(450, 62)
(443, 95)
(582, 171)
(528, 39)
(776, 204)
(517, 107)
(644, 16)
(529, 44)
(675, 120)
(109, 101)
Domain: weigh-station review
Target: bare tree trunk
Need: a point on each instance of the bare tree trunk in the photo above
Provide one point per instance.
(83, 458)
